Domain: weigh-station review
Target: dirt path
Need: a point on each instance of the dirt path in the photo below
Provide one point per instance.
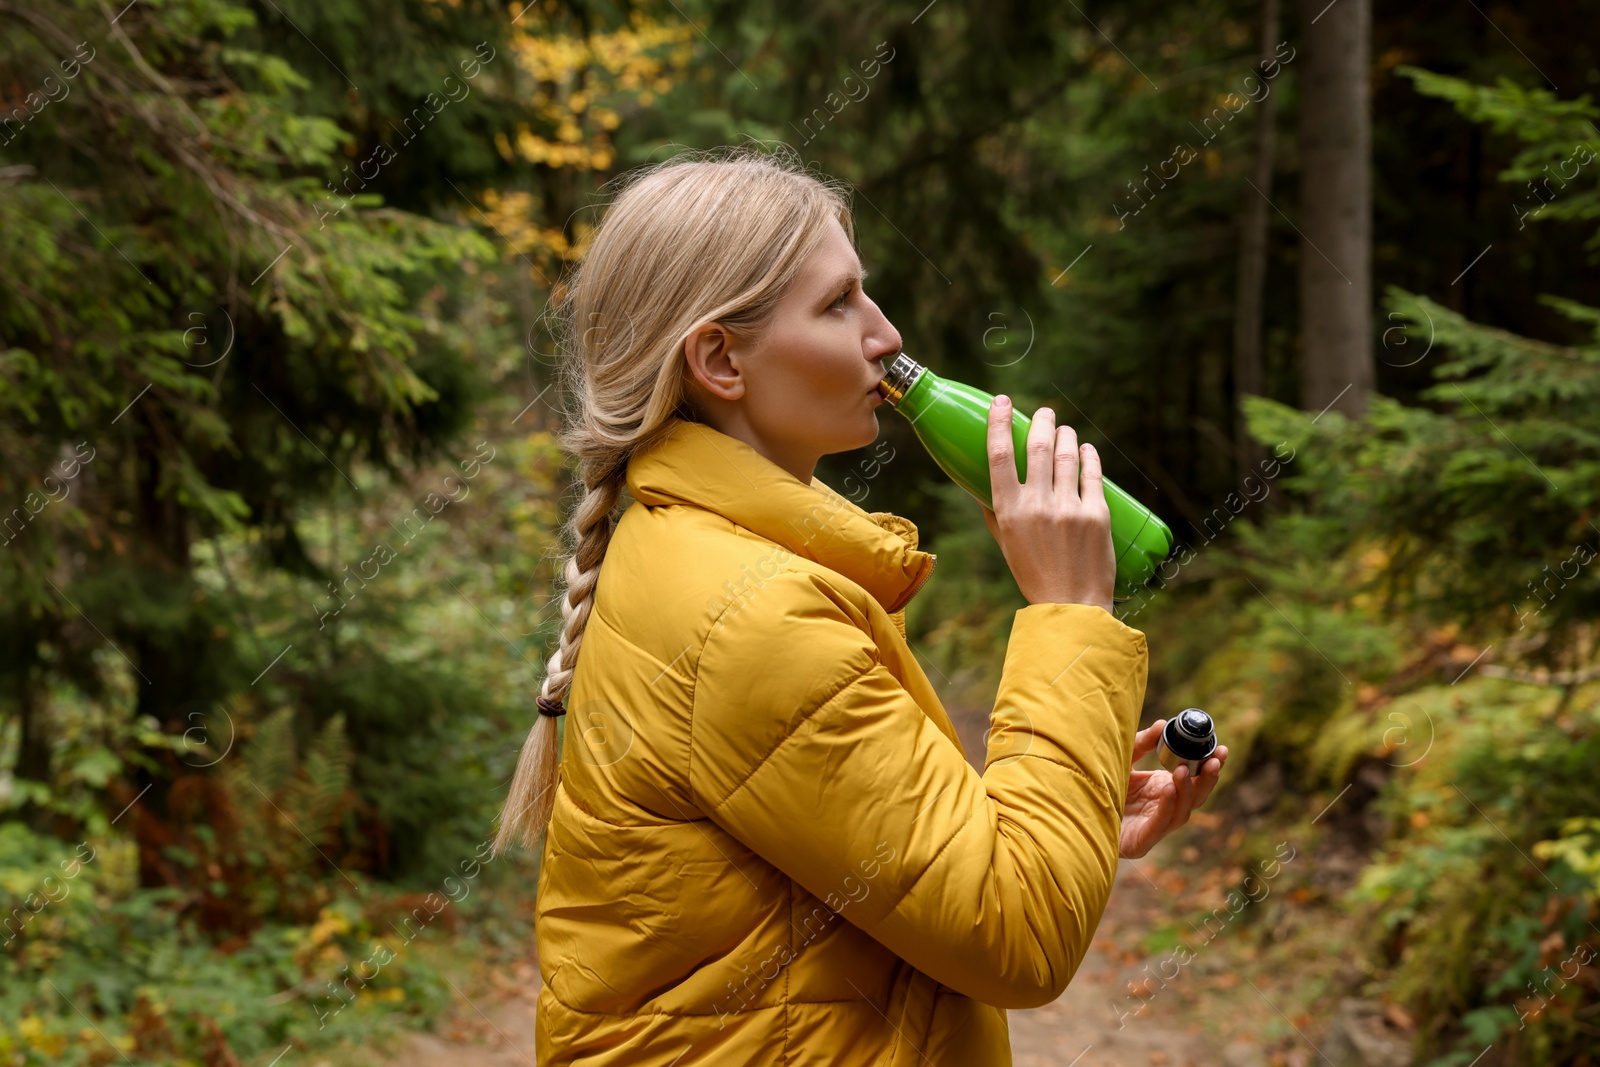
(1098, 1020)
(485, 1032)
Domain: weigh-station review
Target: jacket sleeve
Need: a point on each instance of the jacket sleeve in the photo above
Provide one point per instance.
(806, 748)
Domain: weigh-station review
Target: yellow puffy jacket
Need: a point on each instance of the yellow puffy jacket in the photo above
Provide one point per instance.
(767, 846)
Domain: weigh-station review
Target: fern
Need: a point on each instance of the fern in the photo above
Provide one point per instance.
(316, 798)
(269, 759)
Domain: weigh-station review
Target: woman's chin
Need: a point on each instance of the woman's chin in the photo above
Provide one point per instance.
(869, 431)
(852, 430)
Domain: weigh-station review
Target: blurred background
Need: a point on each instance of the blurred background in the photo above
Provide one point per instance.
(280, 499)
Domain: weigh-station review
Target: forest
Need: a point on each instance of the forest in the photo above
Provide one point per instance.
(275, 291)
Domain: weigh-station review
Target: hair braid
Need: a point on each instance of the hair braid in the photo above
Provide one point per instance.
(538, 770)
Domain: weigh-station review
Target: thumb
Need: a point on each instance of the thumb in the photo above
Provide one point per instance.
(1144, 742)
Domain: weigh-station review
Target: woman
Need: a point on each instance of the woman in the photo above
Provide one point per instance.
(765, 845)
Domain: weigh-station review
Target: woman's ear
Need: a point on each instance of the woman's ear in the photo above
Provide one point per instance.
(713, 360)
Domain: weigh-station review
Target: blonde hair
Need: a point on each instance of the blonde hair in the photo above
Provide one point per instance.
(710, 236)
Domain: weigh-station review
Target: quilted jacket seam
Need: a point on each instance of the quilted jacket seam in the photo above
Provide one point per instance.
(596, 613)
(934, 860)
(788, 734)
(694, 702)
(669, 824)
(1100, 793)
(547, 991)
(787, 972)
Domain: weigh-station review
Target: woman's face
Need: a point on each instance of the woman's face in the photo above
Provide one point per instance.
(809, 387)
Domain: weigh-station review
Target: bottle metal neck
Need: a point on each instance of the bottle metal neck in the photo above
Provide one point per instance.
(901, 375)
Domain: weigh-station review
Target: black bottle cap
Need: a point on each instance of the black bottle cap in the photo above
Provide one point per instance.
(1190, 734)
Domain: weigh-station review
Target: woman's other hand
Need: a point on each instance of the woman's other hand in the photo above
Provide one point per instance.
(1160, 801)
(1054, 528)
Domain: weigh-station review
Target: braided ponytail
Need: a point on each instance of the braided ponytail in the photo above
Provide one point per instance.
(533, 785)
(705, 236)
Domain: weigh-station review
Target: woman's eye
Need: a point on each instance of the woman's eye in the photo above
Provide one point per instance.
(839, 303)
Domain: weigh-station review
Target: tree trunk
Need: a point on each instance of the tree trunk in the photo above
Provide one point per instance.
(34, 754)
(1253, 221)
(1336, 205)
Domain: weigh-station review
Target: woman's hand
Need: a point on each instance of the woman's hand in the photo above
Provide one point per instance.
(1160, 801)
(1055, 534)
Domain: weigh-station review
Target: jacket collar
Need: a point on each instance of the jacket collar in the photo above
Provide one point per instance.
(698, 466)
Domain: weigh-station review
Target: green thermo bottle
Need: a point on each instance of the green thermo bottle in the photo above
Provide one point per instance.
(952, 422)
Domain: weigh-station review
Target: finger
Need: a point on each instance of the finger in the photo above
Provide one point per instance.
(1066, 472)
(1210, 771)
(1003, 484)
(1183, 803)
(1145, 741)
(1093, 487)
(1041, 451)
(1168, 806)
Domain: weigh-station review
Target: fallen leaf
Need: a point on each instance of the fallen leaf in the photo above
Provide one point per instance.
(1399, 1017)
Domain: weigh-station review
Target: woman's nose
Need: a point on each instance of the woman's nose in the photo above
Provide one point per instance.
(882, 341)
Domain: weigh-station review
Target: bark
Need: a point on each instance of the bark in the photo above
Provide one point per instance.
(19, 649)
(33, 743)
(34, 754)
(1336, 205)
(1247, 317)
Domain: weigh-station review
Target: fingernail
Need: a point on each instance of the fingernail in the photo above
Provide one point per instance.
(1088, 448)
(1002, 401)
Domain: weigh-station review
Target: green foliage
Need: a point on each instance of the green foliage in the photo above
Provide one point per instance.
(93, 942)
(1438, 564)
(1475, 917)
(1483, 504)
(1556, 133)
(1579, 848)
(231, 362)
(1479, 842)
(210, 328)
